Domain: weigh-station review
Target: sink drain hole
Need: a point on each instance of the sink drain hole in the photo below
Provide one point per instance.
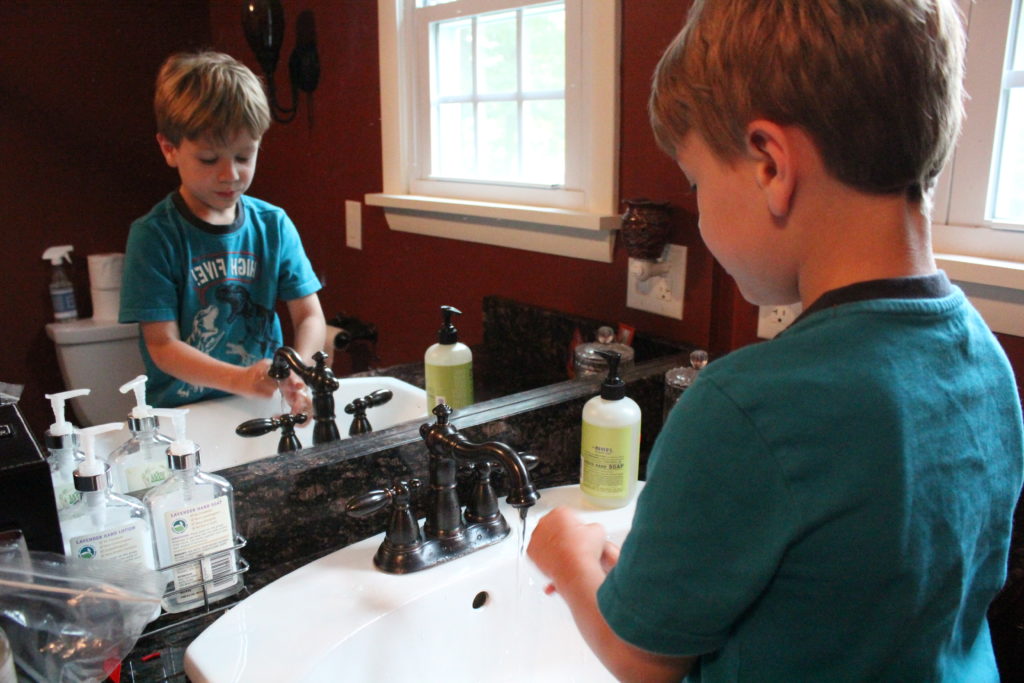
(480, 600)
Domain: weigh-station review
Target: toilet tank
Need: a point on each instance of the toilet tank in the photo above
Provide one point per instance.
(100, 355)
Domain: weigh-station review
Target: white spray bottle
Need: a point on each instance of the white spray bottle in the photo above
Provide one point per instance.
(62, 446)
(62, 291)
(104, 524)
(140, 462)
(193, 515)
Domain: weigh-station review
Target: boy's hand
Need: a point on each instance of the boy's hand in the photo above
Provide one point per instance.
(256, 381)
(564, 548)
(294, 391)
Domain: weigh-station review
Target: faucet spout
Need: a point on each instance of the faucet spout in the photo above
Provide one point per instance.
(444, 440)
(321, 381)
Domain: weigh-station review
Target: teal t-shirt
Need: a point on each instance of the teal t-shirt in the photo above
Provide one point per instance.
(220, 283)
(832, 505)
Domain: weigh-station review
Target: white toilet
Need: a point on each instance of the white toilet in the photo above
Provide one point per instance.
(100, 355)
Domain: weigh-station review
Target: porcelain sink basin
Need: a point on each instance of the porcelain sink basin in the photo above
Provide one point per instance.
(483, 617)
(212, 423)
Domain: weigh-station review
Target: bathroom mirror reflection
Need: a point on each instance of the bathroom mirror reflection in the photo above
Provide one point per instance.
(524, 347)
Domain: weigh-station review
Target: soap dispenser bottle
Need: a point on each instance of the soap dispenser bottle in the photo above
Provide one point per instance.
(193, 518)
(62, 446)
(140, 462)
(104, 524)
(448, 366)
(610, 443)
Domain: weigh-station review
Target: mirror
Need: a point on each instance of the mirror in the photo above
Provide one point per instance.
(525, 347)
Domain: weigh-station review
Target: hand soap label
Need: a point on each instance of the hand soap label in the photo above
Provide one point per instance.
(145, 475)
(64, 493)
(451, 383)
(606, 469)
(200, 530)
(124, 543)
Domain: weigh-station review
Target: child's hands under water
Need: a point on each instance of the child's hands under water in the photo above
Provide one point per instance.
(565, 549)
(295, 394)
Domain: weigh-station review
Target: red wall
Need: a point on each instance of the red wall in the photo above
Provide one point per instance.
(80, 163)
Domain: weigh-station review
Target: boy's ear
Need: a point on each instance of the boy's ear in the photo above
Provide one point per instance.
(771, 147)
(168, 149)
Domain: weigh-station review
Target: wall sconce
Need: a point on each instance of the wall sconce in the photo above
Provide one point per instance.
(263, 23)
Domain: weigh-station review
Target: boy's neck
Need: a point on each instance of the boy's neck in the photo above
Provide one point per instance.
(857, 237)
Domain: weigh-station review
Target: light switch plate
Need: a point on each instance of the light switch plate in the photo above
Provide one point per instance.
(660, 294)
(353, 224)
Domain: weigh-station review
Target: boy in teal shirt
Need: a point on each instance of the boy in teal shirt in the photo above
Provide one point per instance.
(206, 266)
(834, 504)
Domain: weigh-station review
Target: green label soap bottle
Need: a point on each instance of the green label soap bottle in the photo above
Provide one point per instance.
(610, 443)
(448, 366)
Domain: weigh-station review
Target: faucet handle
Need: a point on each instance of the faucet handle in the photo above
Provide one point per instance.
(403, 529)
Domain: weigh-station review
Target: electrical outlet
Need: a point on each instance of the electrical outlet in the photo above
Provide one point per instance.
(658, 287)
(353, 224)
(774, 319)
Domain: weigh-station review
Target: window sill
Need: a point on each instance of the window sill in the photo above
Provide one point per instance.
(561, 232)
(995, 287)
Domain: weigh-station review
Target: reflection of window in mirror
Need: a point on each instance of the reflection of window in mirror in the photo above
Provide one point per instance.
(979, 203)
(500, 121)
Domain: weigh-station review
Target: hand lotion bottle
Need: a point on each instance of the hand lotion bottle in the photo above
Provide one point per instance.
(193, 516)
(62, 448)
(610, 443)
(104, 524)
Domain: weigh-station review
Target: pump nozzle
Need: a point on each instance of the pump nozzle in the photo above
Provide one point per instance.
(56, 255)
(448, 334)
(91, 474)
(613, 388)
(138, 385)
(60, 426)
(181, 444)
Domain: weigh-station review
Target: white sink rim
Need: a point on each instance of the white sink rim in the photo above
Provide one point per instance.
(212, 423)
(256, 641)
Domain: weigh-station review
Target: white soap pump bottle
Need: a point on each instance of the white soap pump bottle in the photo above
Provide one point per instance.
(448, 366)
(610, 442)
(62, 446)
(193, 516)
(104, 524)
(140, 462)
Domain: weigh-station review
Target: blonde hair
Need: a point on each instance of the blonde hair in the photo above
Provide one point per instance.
(875, 83)
(211, 94)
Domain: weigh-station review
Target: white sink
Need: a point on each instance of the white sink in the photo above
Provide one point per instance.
(340, 619)
(211, 424)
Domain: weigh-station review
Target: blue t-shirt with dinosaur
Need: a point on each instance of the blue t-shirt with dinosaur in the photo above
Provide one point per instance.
(220, 283)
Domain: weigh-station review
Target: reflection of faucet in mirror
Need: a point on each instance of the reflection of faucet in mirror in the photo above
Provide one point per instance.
(321, 381)
(264, 425)
(447, 533)
(357, 409)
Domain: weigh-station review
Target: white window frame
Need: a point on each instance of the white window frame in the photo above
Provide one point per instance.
(986, 259)
(578, 220)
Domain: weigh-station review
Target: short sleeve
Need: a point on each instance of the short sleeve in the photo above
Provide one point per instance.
(150, 281)
(296, 277)
(711, 526)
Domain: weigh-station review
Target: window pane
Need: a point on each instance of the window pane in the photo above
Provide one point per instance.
(454, 149)
(1009, 193)
(454, 49)
(544, 48)
(498, 142)
(431, 3)
(544, 141)
(496, 53)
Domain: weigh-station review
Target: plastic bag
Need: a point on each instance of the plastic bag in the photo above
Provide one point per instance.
(73, 620)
